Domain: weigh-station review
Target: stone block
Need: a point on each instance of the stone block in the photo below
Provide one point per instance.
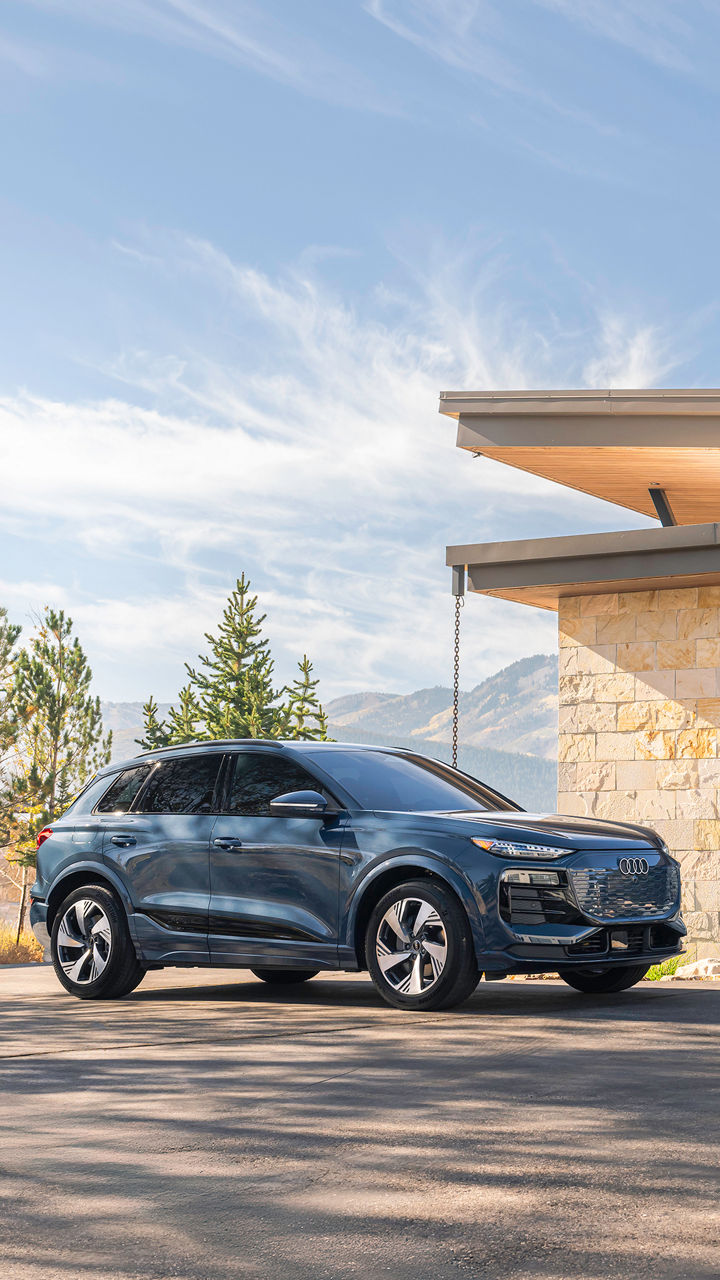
(637, 775)
(567, 776)
(595, 775)
(576, 631)
(676, 653)
(708, 713)
(655, 684)
(587, 717)
(709, 597)
(637, 601)
(637, 715)
(614, 746)
(702, 866)
(637, 656)
(576, 688)
(598, 660)
(696, 683)
(576, 746)
(708, 651)
(674, 714)
(708, 773)
(697, 743)
(701, 926)
(678, 598)
(696, 803)
(708, 949)
(678, 775)
(617, 806)
(707, 834)
(569, 606)
(694, 623)
(659, 624)
(678, 834)
(654, 806)
(707, 896)
(654, 744)
(620, 626)
(593, 605)
(616, 687)
(572, 803)
(568, 661)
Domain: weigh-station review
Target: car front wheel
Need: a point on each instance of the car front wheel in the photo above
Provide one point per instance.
(601, 981)
(419, 947)
(92, 951)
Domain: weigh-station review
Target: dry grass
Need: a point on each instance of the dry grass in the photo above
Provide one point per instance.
(28, 949)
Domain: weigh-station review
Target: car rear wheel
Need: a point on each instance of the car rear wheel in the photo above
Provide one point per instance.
(280, 977)
(419, 947)
(599, 981)
(92, 951)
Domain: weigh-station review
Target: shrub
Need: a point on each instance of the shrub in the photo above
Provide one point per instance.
(27, 951)
(664, 970)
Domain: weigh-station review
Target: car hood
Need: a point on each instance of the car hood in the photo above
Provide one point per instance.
(546, 828)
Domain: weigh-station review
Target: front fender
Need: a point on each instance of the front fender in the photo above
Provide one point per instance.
(417, 860)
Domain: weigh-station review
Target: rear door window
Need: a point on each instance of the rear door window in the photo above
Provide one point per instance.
(123, 791)
(185, 784)
(261, 776)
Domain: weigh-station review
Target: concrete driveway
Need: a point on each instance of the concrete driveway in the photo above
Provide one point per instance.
(208, 1127)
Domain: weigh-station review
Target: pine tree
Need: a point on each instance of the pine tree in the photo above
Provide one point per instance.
(306, 718)
(231, 693)
(9, 730)
(60, 742)
(156, 731)
(233, 686)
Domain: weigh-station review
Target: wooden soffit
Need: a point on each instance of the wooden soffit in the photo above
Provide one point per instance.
(615, 445)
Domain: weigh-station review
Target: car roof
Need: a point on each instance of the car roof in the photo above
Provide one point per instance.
(294, 744)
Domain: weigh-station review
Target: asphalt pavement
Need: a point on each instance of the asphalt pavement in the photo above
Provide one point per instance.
(210, 1127)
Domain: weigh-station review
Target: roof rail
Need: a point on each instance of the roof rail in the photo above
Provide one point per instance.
(207, 742)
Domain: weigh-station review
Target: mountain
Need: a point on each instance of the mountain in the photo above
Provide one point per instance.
(514, 710)
(508, 727)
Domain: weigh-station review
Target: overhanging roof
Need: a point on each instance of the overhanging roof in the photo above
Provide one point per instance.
(611, 444)
(540, 571)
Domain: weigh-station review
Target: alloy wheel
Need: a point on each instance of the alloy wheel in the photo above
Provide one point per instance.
(84, 941)
(411, 946)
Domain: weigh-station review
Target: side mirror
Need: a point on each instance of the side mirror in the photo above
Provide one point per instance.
(299, 804)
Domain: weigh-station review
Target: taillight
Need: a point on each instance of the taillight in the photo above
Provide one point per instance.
(43, 835)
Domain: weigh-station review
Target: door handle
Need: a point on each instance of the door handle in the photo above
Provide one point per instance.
(227, 842)
(123, 841)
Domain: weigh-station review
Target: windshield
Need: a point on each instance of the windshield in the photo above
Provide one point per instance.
(405, 784)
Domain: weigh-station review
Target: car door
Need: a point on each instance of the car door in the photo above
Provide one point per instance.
(274, 881)
(160, 848)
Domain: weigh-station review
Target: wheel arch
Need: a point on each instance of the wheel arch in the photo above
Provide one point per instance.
(87, 873)
(386, 876)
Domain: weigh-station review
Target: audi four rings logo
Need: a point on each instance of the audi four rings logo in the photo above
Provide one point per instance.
(634, 866)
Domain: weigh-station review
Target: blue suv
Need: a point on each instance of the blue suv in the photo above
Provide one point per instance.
(290, 858)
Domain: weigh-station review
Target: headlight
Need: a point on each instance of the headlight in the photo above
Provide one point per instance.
(516, 849)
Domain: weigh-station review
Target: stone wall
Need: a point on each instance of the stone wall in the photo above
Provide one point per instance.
(639, 726)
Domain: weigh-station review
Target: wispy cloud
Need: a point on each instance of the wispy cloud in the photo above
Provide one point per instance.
(656, 30)
(242, 33)
(323, 469)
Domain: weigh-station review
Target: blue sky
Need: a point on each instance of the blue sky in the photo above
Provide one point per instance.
(245, 245)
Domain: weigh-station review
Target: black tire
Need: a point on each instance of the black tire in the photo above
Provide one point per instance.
(282, 977)
(604, 981)
(459, 975)
(121, 972)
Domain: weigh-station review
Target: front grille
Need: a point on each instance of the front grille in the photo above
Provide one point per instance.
(635, 940)
(610, 895)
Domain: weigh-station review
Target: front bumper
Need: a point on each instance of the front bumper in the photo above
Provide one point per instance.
(590, 912)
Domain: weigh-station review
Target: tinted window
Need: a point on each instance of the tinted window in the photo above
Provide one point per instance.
(123, 790)
(184, 785)
(379, 780)
(260, 776)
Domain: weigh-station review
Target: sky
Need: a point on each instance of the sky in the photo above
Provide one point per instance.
(244, 246)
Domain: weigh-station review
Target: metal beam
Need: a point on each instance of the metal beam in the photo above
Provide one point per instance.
(662, 506)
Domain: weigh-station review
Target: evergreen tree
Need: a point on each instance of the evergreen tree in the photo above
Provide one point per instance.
(9, 725)
(231, 693)
(60, 744)
(306, 718)
(156, 731)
